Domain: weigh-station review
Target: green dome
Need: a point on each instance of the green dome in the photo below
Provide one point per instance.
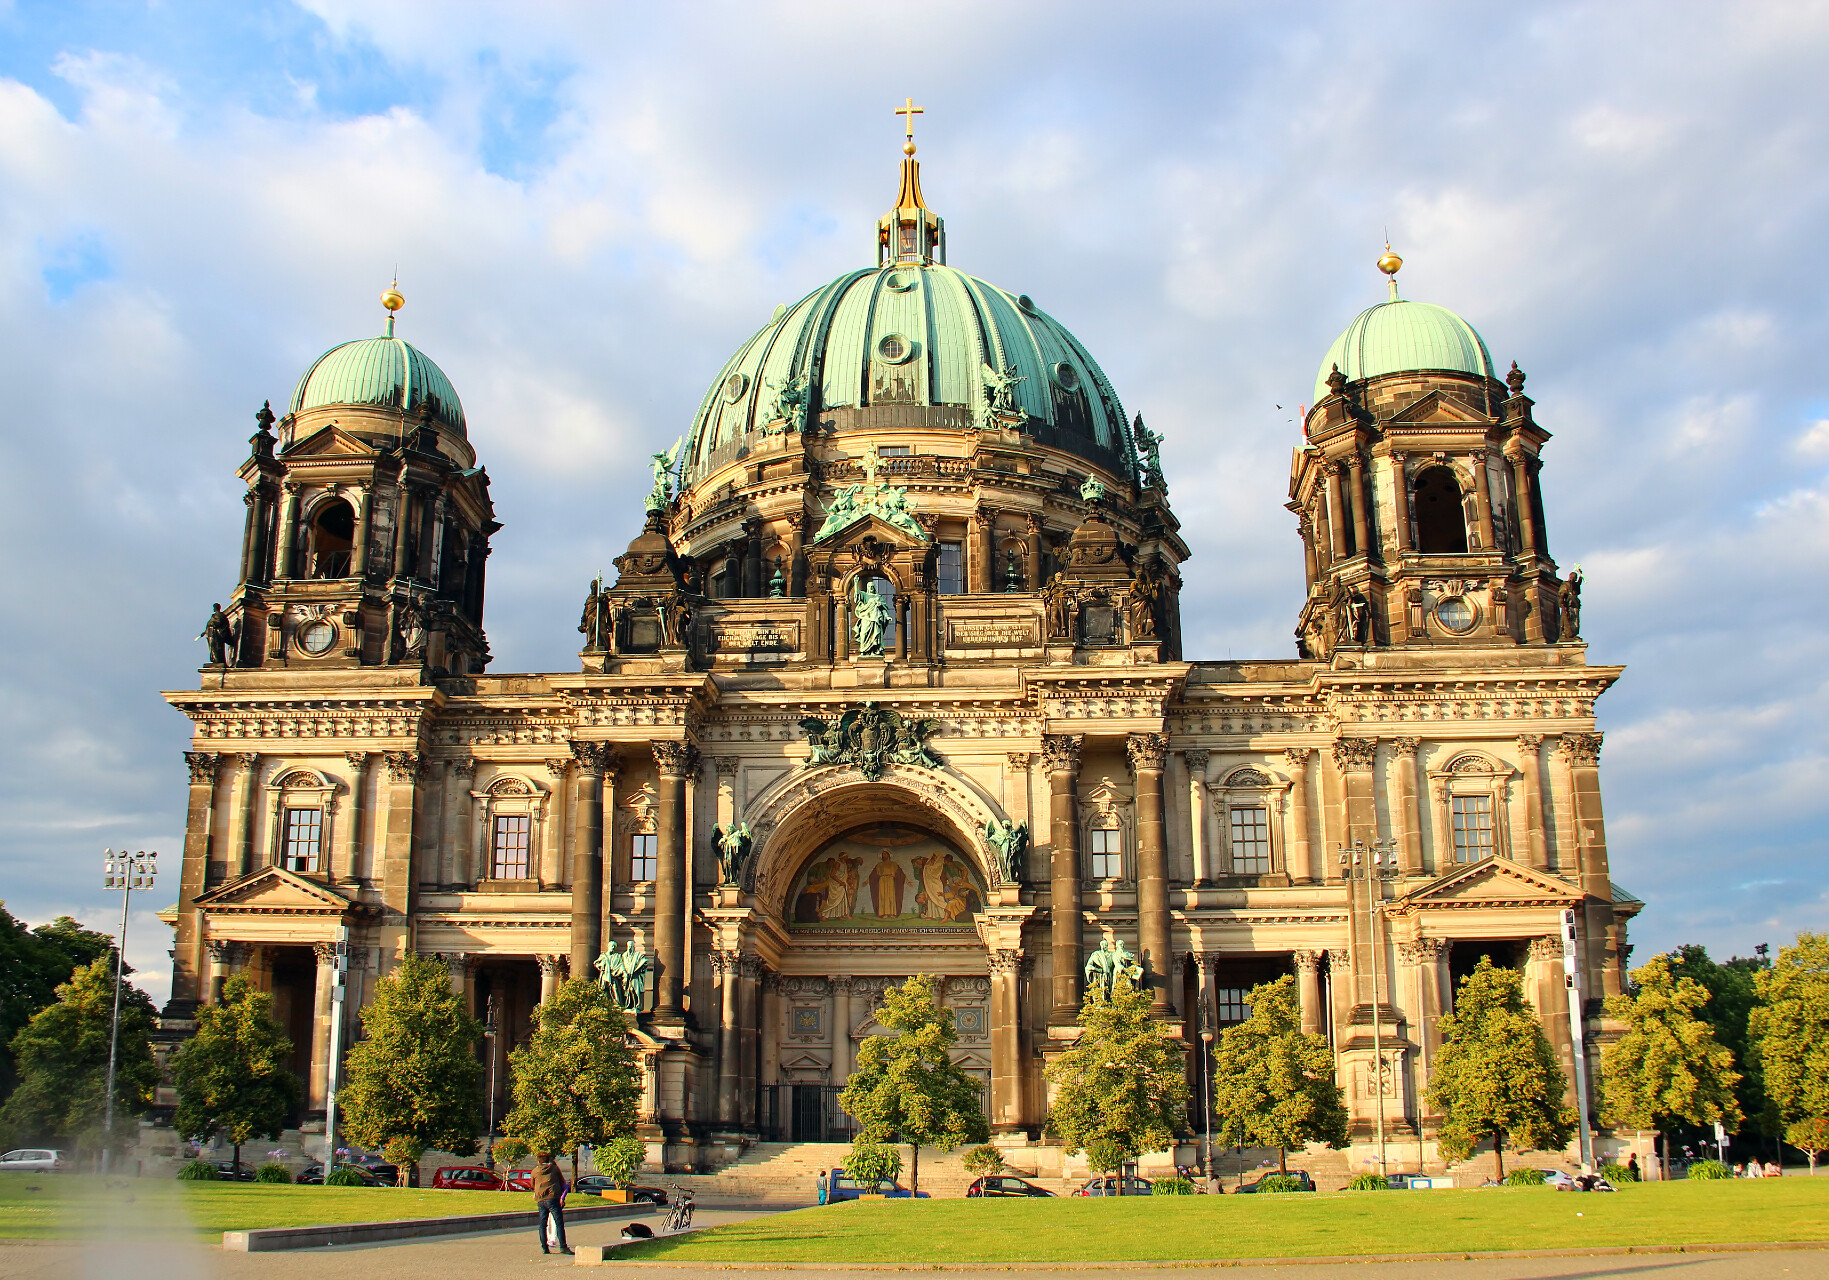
(1400, 336)
(906, 344)
(383, 372)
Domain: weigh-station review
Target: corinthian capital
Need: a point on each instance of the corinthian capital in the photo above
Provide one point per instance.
(1061, 752)
(1354, 753)
(676, 759)
(1146, 751)
(1580, 748)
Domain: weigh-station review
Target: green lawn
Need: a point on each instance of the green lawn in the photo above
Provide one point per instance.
(65, 1206)
(1339, 1223)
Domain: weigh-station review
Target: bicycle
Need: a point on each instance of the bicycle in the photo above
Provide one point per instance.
(679, 1215)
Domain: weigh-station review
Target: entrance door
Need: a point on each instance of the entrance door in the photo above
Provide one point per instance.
(809, 1113)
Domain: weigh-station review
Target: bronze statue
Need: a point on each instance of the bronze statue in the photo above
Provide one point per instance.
(219, 635)
(1145, 590)
(595, 624)
(1568, 599)
(733, 850)
(1058, 601)
(676, 619)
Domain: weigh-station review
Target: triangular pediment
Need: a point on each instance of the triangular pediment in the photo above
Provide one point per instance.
(274, 891)
(868, 525)
(330, 441)
(1436, 406)
(1493, 882)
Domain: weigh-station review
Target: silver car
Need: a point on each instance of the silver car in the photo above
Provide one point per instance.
(31, 1160)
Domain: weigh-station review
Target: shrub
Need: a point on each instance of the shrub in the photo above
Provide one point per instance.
(619, 1158)
(1709, 1171)
(1171, 1187)
(344, 1176)
(1369, 1182)
(869, 1162)
(1617, 1173)
(983, 1160)
(198, 1171)
(511, 1151)
(1277, 1184)
(404, 1153)
(274, 1172)
(1524, 1178)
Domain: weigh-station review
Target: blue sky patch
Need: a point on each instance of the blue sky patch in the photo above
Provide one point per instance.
(78, 261)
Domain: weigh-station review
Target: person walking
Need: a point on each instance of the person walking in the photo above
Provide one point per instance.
(822, 1186)
(549, 1189)
(1632, 1167)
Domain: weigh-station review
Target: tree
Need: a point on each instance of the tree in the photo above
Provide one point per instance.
(1495, 1075)
(1273, 1083)
(1790, 1039)
(232, 1076)
(576, 1082)
(415, 1074)
(906, 1087)
(34, 963)
(62, 1057)
(1119, 1091)
(1732, 996)
(1667, 1068)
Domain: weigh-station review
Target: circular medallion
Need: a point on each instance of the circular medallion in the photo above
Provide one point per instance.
(1456, 614)
(734, 387)
(317, 636)
(1067, 376)
(893, 348)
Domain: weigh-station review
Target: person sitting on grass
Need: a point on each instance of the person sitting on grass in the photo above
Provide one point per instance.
(549, 1198)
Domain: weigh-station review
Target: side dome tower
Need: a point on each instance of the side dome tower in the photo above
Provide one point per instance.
(368, 519)
(1416, 494)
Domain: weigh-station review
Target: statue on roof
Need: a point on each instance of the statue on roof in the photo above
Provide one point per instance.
(663, 464)
(1149, 444)
(792, 398)
(219, 634)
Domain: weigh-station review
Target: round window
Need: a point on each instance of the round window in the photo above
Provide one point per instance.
(1455, 614)
(317, 636)
(1067, 376)
(734, 387)
(1026, 302)
(894, 348)
(899, 281)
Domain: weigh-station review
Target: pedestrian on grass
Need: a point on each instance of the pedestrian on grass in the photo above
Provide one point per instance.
(1632, 1167)
(1772, 1170)
(549, 1188)
(822, 1186)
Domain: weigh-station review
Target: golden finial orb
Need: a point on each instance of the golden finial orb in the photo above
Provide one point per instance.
(908, 148)
(392, 298)
(1389, 262)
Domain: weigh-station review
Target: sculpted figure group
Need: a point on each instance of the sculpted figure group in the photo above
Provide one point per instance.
(625, 976)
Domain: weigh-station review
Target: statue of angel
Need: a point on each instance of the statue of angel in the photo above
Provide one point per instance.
(1011, 841)
(663, 464)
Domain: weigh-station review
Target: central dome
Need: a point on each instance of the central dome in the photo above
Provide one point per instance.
(910, 344)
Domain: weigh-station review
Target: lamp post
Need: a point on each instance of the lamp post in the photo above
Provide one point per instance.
(126, 872)
(1206, 1086)
(489, 1034)
(1374, 864)
(339, 965)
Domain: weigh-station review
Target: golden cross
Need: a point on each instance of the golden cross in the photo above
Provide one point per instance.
(908, 112)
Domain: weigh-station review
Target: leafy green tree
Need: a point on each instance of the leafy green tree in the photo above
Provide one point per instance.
(63, 1063)
(415, 1074)
(576, 1082)
(1790, 1036)
(1667, 1068)
(232, 1076)
(34, 963)
(1495, 1075)
(1273, 1083)
(906, 1087)
(1119, 1091)
(1733, 993)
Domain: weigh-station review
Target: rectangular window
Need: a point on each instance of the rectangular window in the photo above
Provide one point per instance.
(1229, 1004)
(894, 451)
(1250, 840)
(508, 853)
(1473, 830)
(1107, 854)
(949, 570)
(644, 852)
(304, 837)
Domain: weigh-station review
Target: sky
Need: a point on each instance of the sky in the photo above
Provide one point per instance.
(591, 205)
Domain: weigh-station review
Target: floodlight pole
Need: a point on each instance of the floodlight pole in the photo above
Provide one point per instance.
(489, 1034)
(126, 872)
(339, 963)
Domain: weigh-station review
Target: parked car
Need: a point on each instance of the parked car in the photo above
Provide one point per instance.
(1003, 1184)
(32, 1160)
(842, 1186)
(229, 1171)
(312, 1175)
(456, 1177)
(595, 1184)
(1308, 1183)
(1107, 1185)
(388, 1175)
(518, 1179)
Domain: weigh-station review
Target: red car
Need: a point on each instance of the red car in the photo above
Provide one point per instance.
(519, 1179)
(465, 1178)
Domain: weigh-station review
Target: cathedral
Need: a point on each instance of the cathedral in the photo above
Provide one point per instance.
(891, 680)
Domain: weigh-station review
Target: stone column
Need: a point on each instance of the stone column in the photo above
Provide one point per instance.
(241, 823)
(1581, 757)
(796, 570)
(1400, 492)
(587, 853)
(403, 497)
(321, 1009)
(1036, 567)
(749, 1039)
(360, 499)
(193, 878)
(1527, 509)
(397, 887)
(1308, 989)
(1300, 858)
(250, 536)
(612, 770)
(841, 1028)
(1311, 565)
(549, 976)
(1197, 813)
(1362, 535)
(771, 1037)
(677, 761)
(454, 831)
(285, 536)
(1407, 815)
(1530, 763)
(727, 966)
(1061, 757)
(1482, 499)
(352, 828)
(1006, 1062)
(1148, 754)
(1354, 757)
(1336, 517)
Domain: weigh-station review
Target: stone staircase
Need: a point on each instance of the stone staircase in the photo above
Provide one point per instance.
(788, 1172)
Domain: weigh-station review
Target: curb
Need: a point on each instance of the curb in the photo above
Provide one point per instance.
(283, 1239)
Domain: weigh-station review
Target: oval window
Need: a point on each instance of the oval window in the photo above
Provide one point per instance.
(1455, 614)
(895, 348)
(899, 281)
(734, 387)
(1067, 376)
(317, 637)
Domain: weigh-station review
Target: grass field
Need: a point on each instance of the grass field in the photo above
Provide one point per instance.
(70, 1206)
(1190, 1228)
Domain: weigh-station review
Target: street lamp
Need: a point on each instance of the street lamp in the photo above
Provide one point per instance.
(1206, 1086)
(489, 1033)
(339, 967)
(126, 872)
(1374, 863)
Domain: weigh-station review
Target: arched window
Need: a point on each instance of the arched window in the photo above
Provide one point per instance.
(333, 539)
(1471, 813)
(300, 806)
(1249, 806)
(513, 829)
(1441, 521)
(1105, 812)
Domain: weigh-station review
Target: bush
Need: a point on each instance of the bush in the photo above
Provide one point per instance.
(1369, 1182)
(509, 1152)
(199, 1171)
(1617, 1174)
(869, 1162)
(1709, 1171)
(1277, 1184)
(274, 1172)
(983, 1160)
(344, 1176)
(619, 1158)
(1171, 1187)
(1524, 1178)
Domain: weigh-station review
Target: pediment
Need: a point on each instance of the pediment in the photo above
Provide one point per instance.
(330, 441)
(1492, 882)
(869, 525)
(275, 891)
(1436, 406)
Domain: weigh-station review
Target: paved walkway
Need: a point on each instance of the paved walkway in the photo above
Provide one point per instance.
(1811, 1265)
